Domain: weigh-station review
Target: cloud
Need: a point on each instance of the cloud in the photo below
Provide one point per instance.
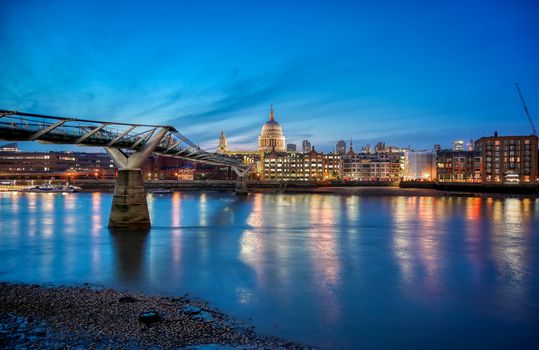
(276, 85)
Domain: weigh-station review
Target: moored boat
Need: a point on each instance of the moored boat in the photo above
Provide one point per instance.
(50, 188)
(161, 191)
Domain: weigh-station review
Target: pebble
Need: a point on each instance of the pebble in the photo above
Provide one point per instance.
(127, 300)
(49, 317)
(148, 317)
(191, 310)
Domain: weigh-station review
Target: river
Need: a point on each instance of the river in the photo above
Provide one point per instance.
(334, 271)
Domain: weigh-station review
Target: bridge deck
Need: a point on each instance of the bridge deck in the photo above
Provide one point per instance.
(19, 126)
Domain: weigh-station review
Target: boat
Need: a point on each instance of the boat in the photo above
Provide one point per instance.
(50, 188)
(161, 191)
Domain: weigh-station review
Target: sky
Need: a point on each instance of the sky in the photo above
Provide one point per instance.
(413, 73)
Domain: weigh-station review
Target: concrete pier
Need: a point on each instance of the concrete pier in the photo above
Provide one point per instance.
(129, 208)
(241, 186)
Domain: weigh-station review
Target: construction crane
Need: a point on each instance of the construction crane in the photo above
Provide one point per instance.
(526, 110)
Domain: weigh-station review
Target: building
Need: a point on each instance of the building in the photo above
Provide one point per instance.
(458, 166)
(271, 139)
(167, 168)
(380, 166)
(380, 147)
(340, 148)
(458, 145)
(186, 172)
(291, 147)
(306, 146)
(284, 166)
(271, 136)
(420, 165)
(22, 164)
(90, 165)
(508, 159)
(223, 144)
(9, 147)
(311, 166)
(470, 145)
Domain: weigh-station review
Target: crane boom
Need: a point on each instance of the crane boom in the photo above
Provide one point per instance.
(526, 110)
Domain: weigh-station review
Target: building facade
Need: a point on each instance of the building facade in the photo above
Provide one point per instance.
(458, 166)
(294, 166)
(380, 166)
(16, 163)
(420, 165)
(508, 159)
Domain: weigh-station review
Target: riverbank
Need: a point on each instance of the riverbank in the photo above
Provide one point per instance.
(33, 316)
(375, 188)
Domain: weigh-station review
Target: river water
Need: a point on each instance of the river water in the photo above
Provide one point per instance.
(333, 271)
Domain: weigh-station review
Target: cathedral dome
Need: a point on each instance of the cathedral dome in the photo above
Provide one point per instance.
(271, 137)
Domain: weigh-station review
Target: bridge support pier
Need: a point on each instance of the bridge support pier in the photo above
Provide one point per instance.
(241, 183)
(129, 207)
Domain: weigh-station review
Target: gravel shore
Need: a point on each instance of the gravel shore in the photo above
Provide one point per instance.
(38, 317)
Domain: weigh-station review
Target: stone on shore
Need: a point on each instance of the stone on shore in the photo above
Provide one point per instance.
(70, 317)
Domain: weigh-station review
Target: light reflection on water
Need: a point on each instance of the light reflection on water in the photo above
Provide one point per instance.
(336, 271)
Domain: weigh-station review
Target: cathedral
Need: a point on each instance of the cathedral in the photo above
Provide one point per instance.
(271, 139)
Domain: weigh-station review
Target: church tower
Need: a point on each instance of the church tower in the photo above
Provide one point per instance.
(223, 145)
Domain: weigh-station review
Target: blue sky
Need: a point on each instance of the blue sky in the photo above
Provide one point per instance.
(407, 72)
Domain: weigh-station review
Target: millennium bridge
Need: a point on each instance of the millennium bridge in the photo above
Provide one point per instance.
(129, 145)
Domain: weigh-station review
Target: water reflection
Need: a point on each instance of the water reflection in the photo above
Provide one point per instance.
(130, 251)
(321, 269)
(251, 244)
(324, 252)
(176, 209)
(418, 234)
(510, 249)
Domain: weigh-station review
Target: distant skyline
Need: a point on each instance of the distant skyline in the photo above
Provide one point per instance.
(408, 73)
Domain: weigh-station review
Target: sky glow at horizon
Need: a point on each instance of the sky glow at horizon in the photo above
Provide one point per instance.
(414, 73)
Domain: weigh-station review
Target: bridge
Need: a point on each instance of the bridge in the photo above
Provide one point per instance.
(129, 145)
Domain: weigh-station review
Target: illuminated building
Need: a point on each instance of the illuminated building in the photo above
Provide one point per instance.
(186, 172)
(55, 164)
(419, 165)
(301, 166)
(458, 166)
(271, 137)
(291, 147)
(458, 145)
(508, 159)
(46, 165)
(380, 166)
(9, 147)
(223, 144)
